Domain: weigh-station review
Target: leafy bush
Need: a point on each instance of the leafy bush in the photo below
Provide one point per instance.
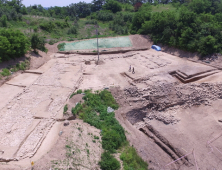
(65, 109)
(62, 24)
(35, 29)
(72, 30)
(48, 26)
(77, 109)
(79, 91)
(131, 160)
(38, 42)
(105, 15)
(5, 72)
(108, 162)
(94, 22)
(51, 42)
(61, 46)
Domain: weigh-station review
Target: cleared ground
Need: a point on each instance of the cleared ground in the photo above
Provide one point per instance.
(165, 118)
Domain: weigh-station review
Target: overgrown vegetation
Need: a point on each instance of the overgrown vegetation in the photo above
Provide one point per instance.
(109, 162)
(94, 112)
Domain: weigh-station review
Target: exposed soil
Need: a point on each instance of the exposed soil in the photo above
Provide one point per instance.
(74, 149)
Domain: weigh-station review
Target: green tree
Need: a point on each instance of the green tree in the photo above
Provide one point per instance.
(13, 44)
(144, 14)
(38, 42)
(113, 6)
(24, 10)
(4, 20)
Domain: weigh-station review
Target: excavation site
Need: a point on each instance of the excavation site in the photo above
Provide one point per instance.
(169, 107)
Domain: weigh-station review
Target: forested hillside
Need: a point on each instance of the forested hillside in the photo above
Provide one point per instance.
(189, 25)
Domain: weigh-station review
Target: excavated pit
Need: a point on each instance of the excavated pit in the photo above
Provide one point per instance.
(192, 78)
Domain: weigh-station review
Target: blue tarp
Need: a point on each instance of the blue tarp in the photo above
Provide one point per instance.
(155, 47)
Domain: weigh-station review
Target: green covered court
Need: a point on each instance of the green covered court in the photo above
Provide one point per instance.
(103, 43)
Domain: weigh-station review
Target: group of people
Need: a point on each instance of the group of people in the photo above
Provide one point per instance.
(133, 71)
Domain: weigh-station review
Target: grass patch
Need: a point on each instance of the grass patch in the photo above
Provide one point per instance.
(78, 92)
(131, 160)
(5, 72)
(65, 109)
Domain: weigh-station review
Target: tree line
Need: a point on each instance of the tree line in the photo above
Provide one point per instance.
(193, 26)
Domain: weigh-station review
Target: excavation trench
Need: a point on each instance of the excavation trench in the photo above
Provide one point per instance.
(165, 145)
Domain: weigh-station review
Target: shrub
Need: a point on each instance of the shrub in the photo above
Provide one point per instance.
(51, 42)
(38, 42)
(94, 22)
(65, 109)
(96, 137)
(72, 30)
(79, 91)
(108, 162)
(62, 24)
(48, 26)
(5, 72)
(35, 29)
(105, 15)
(77, 109)
(61, 46)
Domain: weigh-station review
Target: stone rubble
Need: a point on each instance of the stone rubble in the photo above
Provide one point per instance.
(163, 99)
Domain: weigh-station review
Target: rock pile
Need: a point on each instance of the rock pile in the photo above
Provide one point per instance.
(162, 100)
(163, 96)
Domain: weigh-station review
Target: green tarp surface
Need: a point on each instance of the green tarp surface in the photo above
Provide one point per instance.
(103, 43)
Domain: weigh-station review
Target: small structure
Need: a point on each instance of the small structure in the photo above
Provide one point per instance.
(155, 47)
(137, 5)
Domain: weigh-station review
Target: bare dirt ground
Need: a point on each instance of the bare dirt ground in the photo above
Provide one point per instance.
(164, 118)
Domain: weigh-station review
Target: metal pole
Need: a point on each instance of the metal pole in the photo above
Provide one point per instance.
(97, 46)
